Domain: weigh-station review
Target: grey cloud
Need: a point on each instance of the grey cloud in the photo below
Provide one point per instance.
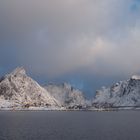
(58, 37)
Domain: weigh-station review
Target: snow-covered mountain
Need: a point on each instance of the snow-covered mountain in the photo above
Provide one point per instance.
(68, 96)
(121, 94)
(17, 90)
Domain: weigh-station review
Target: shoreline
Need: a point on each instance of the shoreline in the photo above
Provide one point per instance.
(72, 110)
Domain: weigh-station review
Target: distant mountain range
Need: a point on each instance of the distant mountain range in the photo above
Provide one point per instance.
(20, 92)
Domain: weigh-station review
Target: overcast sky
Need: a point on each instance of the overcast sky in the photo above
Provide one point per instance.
(88, 43)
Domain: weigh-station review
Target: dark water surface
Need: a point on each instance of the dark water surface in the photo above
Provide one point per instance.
(47, 125)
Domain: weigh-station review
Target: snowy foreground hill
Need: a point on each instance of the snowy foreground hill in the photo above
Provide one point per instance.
(20, 92)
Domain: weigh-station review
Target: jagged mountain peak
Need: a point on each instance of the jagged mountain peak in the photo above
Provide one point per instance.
(19, 71)
(66, 85)
(19, 88)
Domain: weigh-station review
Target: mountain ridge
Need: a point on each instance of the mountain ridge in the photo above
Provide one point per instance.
(18, 91)
(122, 94)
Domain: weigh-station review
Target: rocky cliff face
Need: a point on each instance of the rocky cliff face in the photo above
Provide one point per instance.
(17, 90)
(121, 94)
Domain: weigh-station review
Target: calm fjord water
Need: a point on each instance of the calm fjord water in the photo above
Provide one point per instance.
(45, 125)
